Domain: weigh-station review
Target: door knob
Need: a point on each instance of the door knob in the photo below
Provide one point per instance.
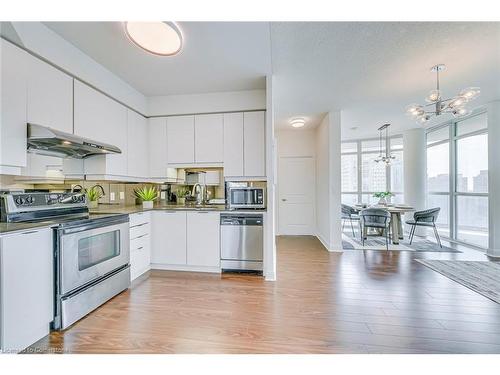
(283, 199)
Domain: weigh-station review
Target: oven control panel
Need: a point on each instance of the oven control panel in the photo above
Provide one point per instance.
(41, 200)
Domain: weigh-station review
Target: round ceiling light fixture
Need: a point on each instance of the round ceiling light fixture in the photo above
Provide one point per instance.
(159, 38)
(298, 122)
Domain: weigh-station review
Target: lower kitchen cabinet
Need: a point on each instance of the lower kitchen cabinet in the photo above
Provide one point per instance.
(169, 237)
(203, 245)
(140, 244)
(26, 288)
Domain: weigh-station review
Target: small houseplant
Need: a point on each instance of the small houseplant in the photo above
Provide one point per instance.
(181, 195)
(93, 196)
(147, 195)
(383, 196)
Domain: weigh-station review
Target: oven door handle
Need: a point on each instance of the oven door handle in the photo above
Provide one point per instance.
(99, 223)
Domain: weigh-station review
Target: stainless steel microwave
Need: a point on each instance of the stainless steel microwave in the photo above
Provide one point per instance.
(240, 197)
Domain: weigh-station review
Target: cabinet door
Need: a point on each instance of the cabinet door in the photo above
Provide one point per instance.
(26, 279)
(203, 247)
(233, 144)
(157, 147)
(138, 150)
(168, 245)
(180, 140)
(209, 138)
(13, 97)
(101, 118)
(254, 144)
(50, 96)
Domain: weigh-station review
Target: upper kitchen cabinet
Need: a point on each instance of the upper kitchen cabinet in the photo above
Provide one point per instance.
(13, 99)
(138, 150)
(254, 144)
(98, 117)
(233, 144)
(157, 147)
(50, 96)
(180, 140)
(209, 139)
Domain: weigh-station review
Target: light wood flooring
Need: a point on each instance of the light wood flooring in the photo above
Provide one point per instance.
(351, 302)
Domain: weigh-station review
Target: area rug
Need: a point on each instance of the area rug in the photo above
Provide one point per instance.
(481, 276)
(419, 244)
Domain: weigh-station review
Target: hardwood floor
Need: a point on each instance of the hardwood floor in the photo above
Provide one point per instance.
(351, 302)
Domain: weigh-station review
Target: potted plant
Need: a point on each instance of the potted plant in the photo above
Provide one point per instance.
(383, 196)
(147, 195)
(181, 195)
(93, 196)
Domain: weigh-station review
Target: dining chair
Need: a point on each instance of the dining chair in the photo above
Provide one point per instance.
(425, 218)
(377, 218)
(349, 213)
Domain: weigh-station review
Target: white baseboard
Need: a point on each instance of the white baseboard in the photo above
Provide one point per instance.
(330, 248)
(177, 267)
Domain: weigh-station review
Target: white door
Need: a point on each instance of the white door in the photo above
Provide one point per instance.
(180, 140)
(209, 136)
(296, 182)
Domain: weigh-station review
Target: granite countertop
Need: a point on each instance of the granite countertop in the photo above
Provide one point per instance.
(104, 209)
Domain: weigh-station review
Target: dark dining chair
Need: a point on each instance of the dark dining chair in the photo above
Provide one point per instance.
(377, 218)
(349, 213)
(425, 218)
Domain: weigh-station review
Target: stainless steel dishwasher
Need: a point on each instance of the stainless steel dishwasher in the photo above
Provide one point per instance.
(242, 244)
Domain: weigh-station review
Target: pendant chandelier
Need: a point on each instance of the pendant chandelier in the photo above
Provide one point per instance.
(436, 105)
(386, 157)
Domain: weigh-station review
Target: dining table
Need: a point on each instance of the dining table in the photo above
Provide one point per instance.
(396, 210)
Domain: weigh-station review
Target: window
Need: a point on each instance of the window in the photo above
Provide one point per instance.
(457, 179)
(362, 176)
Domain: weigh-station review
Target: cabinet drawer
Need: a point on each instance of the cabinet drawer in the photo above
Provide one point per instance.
(140, 242)
(139, 218)
(139, 262)
(140, 230)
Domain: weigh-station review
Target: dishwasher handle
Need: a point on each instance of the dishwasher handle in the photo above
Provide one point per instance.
(255, 220)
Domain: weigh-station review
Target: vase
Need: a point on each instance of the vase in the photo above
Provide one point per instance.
(147, 204)
(93, 204)
(382, 202)
(181, 201)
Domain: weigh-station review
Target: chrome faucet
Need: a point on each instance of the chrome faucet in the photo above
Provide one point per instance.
(199, 192)
(79, 187)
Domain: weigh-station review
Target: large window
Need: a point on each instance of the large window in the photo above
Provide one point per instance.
(362, 176)
(457, 178)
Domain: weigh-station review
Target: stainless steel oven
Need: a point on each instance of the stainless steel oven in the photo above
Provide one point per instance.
(93, 265)
(241, 197)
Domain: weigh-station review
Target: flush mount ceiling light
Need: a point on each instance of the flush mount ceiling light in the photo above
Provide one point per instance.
(438, 105)
(298, 122)
(159, 38)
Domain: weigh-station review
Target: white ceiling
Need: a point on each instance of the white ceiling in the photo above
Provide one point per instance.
(217, 56)
(372, 71)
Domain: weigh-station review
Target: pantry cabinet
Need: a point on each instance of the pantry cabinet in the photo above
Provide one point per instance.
(209, 139)
(137, 147)
(100, 118)
(26, 288)
(13, 99)
(180, 140)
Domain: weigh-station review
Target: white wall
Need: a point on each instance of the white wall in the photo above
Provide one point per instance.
(230, 101)
(296, 143)
(328, 182)
(41, 40)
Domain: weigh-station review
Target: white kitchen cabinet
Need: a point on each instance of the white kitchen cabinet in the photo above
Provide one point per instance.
(233, 144)
(140, 244)
(203, 246)
(26, 288)
(209, 138)
(157, 147)
(100, 118)
(13, 99)
(168, 231)
(254, 146)
(180, 140)
(138, 149)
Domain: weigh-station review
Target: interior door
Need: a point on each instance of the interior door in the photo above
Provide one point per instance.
(296, 182)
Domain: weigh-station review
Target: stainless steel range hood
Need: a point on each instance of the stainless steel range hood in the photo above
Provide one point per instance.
(46, 141)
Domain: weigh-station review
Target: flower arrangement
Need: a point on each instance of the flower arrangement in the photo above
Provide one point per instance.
(383, 195)
(147, 195)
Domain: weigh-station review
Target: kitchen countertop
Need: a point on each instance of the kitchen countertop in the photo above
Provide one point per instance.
(103, 209)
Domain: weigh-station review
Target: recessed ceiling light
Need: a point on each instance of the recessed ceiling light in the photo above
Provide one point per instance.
(159, 38)
(298, 122)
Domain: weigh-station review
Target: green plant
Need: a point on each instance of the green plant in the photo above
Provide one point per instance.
(93, 194)
(146, 194)
(182, 192)
(383, 194)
